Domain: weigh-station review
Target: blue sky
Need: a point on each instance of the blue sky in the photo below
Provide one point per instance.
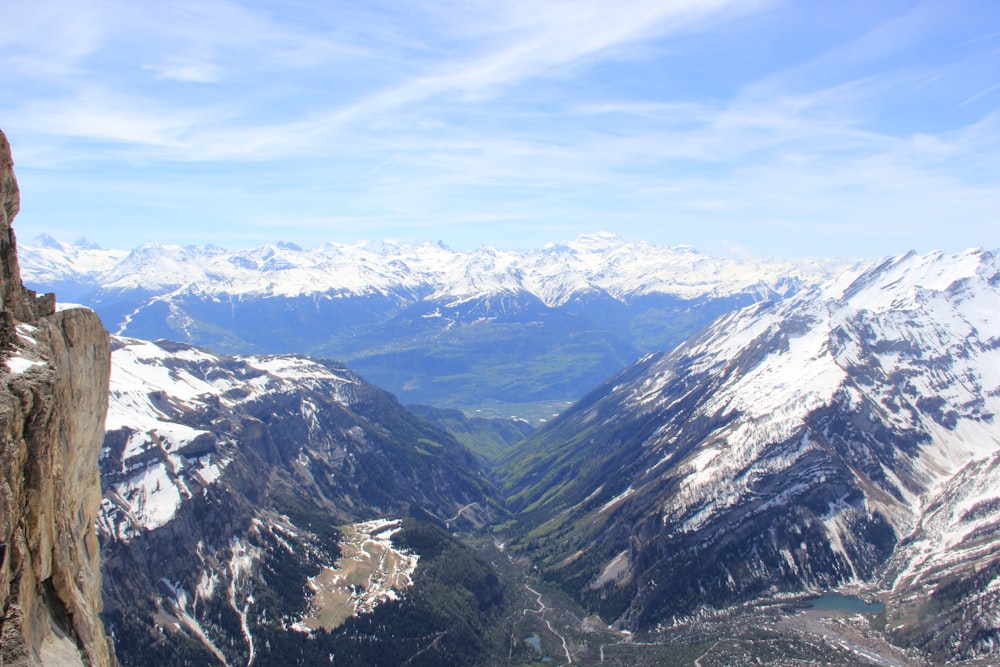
(755, 127)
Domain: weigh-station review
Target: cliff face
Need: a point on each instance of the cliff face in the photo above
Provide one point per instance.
(54, 370)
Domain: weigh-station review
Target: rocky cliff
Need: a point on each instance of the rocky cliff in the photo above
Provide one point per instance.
(53, 399)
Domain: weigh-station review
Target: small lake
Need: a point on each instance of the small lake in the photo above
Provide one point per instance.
(838, 602)
(535, 642)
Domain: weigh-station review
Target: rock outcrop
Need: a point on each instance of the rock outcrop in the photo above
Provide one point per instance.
(54, 370)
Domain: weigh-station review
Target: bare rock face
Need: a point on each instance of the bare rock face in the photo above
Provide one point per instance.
(54, 370)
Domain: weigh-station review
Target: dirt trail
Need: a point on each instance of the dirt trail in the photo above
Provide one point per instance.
(541, 611)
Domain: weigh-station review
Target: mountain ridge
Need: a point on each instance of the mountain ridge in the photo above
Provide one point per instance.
(244, 475)
(792, 447)
(786, 448)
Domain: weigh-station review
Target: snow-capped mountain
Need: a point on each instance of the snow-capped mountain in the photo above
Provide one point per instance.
(79, 262)
(555, 274)
(477, 329)
(233, 487)
(791, 446)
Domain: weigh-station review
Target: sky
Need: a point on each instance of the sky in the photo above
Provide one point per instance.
(762, 128)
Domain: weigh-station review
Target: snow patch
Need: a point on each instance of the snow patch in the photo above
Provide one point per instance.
(152, 495)
(19, 365)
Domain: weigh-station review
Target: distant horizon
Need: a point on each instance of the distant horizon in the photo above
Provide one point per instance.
(86, 241)
(758, 128)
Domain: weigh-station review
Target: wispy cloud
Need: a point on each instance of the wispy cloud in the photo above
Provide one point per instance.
(515, 116)
(187, 71)
(525, 43)
(981, 93)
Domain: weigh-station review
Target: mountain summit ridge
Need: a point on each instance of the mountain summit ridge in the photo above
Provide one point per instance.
(510, 332)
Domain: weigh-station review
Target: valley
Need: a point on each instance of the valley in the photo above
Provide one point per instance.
(558, 631)
(500, 334)
(682, 509)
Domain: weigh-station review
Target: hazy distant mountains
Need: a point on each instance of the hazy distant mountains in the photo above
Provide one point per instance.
(509, 332)
(792, 446)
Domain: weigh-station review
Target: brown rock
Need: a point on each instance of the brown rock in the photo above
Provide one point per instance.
(54, 370)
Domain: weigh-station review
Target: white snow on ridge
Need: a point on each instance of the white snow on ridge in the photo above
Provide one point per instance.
(153, 387)
(137, 370)
(956, 528)
(926, 326)
(296, 367)
(554, 274)
(63, 261)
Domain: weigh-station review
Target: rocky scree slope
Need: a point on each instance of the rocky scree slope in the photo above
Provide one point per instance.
(490, 329)
(53, 398)
(790, 447)
(226, 481)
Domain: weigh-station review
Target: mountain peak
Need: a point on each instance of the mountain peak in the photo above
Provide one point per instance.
(86, 244)
(45, 241)
(911, 276)
(383, 246)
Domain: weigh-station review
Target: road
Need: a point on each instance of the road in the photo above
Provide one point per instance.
(541, 611)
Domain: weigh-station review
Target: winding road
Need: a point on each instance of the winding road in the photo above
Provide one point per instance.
(541, 611)
(459, 513)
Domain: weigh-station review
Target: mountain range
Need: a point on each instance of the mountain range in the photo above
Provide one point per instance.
(505, 332)
(832, 430)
